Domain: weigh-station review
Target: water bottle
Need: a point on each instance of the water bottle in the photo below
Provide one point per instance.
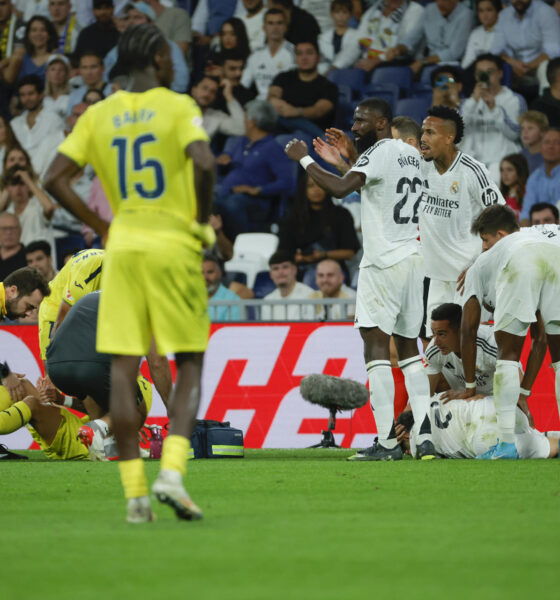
(156, 441)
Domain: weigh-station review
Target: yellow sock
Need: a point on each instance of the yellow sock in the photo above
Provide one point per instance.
(11, 419)
(174, 453)
(133, 478)
(5, 400)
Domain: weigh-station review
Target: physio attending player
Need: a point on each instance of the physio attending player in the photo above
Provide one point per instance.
(389, 298)
(457, 188)
(152, 156)
(518, 277)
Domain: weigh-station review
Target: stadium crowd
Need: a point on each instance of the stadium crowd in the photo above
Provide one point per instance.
(262, 72)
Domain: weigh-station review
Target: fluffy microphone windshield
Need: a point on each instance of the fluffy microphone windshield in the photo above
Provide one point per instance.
(328, 391)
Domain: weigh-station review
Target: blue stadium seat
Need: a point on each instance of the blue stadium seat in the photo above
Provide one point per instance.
(66, 243)
(355, 79)
(507, 74)
(416, 108)
(421, 90)
(400, 76)
(426, 72)
(385, 91)
(263, 284)
(344, 113)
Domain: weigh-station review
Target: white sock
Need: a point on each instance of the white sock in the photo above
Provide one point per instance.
(556, 367)
(418, 388)
(382, 398)
(506, 394)
(102, 425)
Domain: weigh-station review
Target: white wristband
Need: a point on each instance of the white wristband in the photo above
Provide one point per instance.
(68, 401)
(525, 392)
(306, 161)
(470, 386)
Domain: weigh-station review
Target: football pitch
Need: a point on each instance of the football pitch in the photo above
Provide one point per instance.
(286, 524)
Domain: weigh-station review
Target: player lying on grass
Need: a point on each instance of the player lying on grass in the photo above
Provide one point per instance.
(517, 275)
(465, 429)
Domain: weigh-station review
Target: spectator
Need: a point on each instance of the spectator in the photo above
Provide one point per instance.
(277, 56)
(447, 84)
(283, 271)
(232, 37)
(533, 126)
(37, 129)
(40, 41)
(304, 99)
(514, 173)
(18, 156)
(98, 203)
(543, 213)
(93, 96)
(174, 22)
(253, 22)
(29, 8)
(57, 89)
(444, 27)
(24, 198)
(317, 229)
(12, 49)
(12, 253)
(527, 35)
(38, 255)
(385, 25)
(137, 14)
(320, 9)
(544, 183)
(208, 17)
(66, 25)
(232, 63)
(223, 248)
(260, 172)
(301, 26)
(339, 43)
(549, 102)
(212, 272)
(491, 115)
(330, 281)
(481, 38)
(215, 121)
(7, 140)
(91, 70)
(100, 36)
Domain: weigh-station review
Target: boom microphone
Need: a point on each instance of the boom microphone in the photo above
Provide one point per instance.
(330, 391)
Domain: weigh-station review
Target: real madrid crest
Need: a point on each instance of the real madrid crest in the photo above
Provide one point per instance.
(455, 187)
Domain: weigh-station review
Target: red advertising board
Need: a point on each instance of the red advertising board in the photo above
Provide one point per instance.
(251, 378)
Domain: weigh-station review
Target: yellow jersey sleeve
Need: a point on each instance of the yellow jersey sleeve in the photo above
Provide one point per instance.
(191, 129)
(76, 146)
(85, 276)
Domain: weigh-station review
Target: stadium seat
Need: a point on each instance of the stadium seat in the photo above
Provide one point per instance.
(231, 143)
(385, 91)
(263, 284)
(416, 108)
(507, 74)
(426, 72)
(421, 90)
(251, 252)
(355, 79)
(400, 76)
(345, 108)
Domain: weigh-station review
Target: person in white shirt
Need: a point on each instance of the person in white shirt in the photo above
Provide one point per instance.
(36, 126)
(57, 88)
(253, 21)
(491, 116)
(329, 277)
(518, 275)
(283, 271)
(277, 56)
(457, 188)
(339, 43)
(481, 38)
(390, 284)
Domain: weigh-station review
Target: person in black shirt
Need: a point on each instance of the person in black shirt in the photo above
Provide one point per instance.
(102, 35)
(231, 67)
(12, 252)
(302, 26)
(304, 99)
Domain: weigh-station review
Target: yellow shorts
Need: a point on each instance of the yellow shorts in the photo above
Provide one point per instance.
(145, 294)
(47, 318)
(65, 446)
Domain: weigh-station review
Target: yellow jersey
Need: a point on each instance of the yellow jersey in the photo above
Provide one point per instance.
(136, 144)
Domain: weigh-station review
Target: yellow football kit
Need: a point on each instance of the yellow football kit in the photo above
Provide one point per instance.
(152, 281)
(79, 276)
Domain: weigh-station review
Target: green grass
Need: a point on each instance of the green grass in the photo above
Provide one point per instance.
(286, 524)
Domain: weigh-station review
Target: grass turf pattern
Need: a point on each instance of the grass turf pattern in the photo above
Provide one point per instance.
(284, 524)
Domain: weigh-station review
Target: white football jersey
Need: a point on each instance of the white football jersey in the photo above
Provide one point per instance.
(451, 366)
(262, 67)
(450, 202)
(481, 277)
(390, 200)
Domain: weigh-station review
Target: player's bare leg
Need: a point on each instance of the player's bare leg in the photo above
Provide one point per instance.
(418, 388)
(124, 415)
(182, 409)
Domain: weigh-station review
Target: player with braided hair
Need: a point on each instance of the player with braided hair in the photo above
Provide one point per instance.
(457, 188)
(148, 147)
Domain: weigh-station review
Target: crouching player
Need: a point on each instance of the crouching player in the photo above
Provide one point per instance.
(468, 428)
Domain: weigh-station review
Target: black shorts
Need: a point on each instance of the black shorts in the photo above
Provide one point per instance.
(83, 378)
